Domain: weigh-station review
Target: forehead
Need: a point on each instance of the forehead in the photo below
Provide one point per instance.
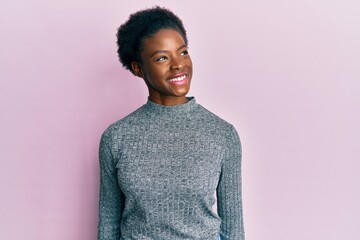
(164, 39)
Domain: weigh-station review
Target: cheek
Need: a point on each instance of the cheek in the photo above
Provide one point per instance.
(151, 71)
(189, 62)
(156, 73)
(190, 67)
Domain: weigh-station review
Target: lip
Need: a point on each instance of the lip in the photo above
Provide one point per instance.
(178, 75)
(179, 82)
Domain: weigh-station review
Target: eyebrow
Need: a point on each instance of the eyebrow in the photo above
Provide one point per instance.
(165, 51)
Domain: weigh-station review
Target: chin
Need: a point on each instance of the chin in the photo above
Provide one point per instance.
(182, 93)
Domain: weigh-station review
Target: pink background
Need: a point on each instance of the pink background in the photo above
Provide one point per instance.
(285, 73)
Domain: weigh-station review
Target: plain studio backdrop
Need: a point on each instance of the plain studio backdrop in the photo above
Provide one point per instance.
(286, 74)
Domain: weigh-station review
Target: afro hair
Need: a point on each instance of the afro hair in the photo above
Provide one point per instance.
(143, 24)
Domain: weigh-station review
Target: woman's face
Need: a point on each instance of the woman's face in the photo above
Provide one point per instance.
(166, 67)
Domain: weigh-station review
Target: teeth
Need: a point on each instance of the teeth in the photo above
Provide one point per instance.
(177, 79)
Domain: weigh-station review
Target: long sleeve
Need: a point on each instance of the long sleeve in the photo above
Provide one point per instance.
(229, 191)
(160, 166)
(111, 198)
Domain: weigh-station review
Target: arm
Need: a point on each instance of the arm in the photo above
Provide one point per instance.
(229, 191)
(111, 198)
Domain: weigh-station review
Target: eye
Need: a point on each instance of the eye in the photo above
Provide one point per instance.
(184, 53)
(162, 58)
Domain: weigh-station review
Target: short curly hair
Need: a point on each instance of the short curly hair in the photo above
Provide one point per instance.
(143, 24)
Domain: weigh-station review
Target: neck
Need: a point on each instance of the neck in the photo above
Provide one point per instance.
(170, 111)
(168, 100)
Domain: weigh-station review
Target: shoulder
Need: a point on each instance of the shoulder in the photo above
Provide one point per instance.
(116, 130)
(213, 119)
(217, 125)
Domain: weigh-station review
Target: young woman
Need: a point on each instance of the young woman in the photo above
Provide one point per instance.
(162, 164)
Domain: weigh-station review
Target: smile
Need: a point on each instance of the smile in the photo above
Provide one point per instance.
(178, 79)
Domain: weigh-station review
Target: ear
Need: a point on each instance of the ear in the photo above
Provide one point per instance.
(137, 69)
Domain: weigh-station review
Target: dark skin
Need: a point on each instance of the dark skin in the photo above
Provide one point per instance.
(166, 67)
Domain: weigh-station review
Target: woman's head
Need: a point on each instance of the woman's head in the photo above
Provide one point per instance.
(141, 25)
(153, 46)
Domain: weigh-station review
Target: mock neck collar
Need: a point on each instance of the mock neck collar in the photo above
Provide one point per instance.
(174, 109)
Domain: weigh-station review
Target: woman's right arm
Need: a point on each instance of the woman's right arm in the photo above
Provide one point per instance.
(111, 198)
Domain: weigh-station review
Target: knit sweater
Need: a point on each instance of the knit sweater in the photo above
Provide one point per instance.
(160, 168)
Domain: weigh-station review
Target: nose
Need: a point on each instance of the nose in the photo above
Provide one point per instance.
(177, 63)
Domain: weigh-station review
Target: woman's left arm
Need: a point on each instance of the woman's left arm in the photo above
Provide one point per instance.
(229, 194)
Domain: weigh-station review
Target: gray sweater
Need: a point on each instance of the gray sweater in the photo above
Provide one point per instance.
(160, 168)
